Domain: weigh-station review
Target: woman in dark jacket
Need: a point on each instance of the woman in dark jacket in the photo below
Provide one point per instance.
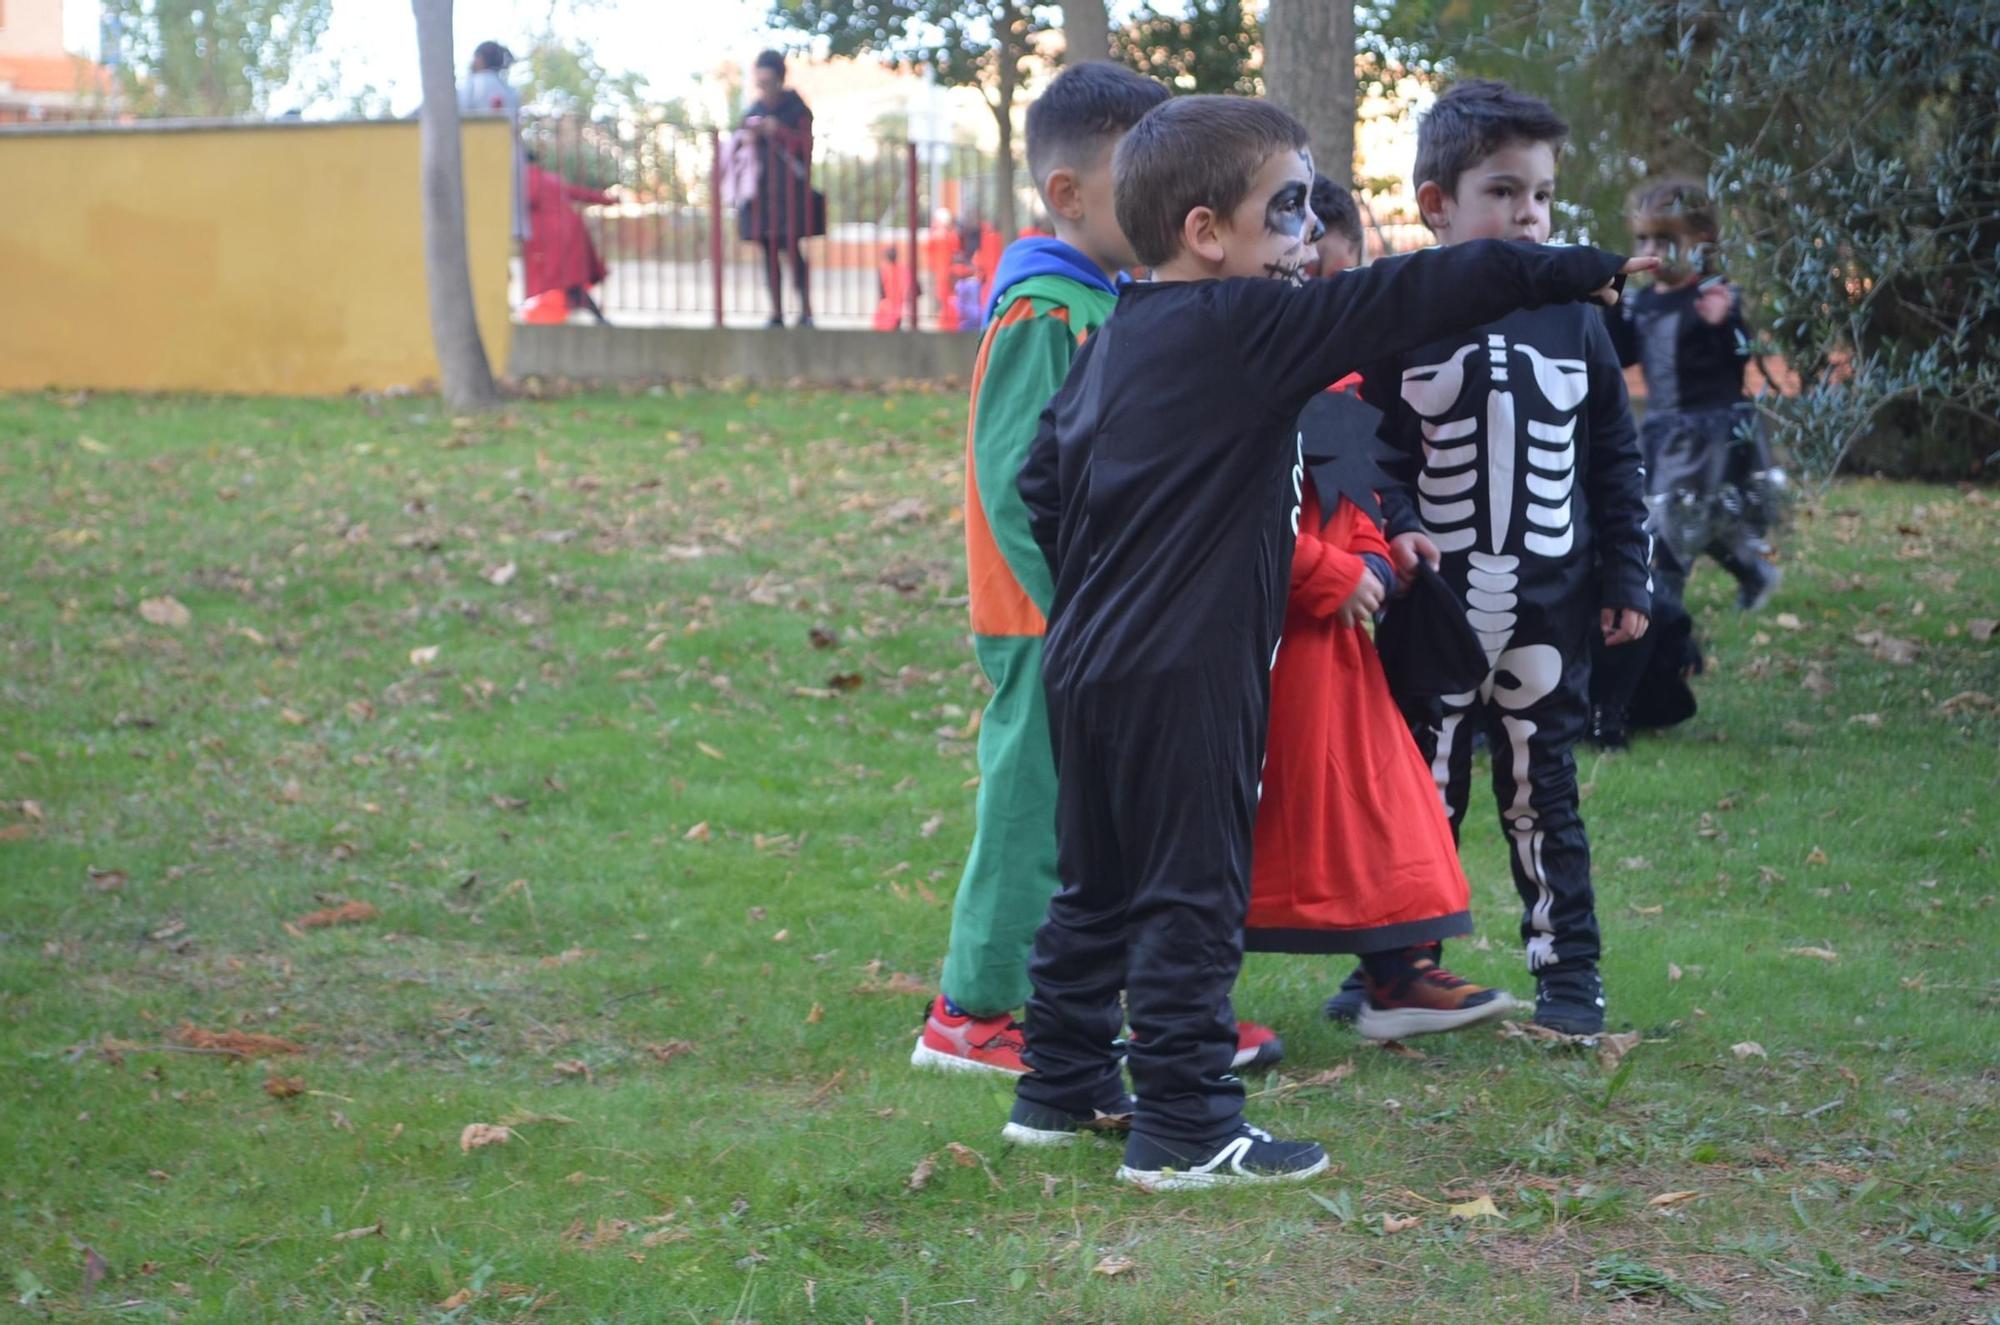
(781, 213)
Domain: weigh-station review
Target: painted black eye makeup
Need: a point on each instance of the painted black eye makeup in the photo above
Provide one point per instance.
(1287, 213)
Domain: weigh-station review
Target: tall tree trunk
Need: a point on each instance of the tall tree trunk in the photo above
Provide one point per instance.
(1309, 70)
(1002, 106)
(468, 379)
(1086, 31)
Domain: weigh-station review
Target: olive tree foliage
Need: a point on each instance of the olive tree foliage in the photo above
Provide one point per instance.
(1854, 155)
(210, 58)
(1211, 46)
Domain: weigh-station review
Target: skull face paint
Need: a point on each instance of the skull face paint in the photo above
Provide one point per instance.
(1290, 228)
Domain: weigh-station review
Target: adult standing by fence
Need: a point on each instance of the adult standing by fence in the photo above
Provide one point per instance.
(786, 208)
(486, 91)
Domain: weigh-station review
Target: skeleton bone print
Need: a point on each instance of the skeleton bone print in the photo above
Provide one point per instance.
(1531, 406)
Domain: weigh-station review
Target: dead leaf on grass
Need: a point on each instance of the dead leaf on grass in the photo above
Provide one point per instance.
(1673, 973)
(17, 832)
(165, 611)
(424, 655)
(1748, 1049)
(564, 958)
(373, 1230)
(576, 1067)
(478, 1135)
(1482, 1208)
(671, 1050)
(897, 983)
(106, 881)
(1613, 1048)
(1789, 621)
(1817, 954)
(1816, 857)
(501, 576)
(844, 681)
(920, 1176)
(1665, 1199)
(698, 833)
(243, 1044)
(1400, 1223)
(1969, 701)
(284, 1088)
(710, 750)
(1982, 628)
(347, 913)
(457, 1300)
(816, 1016)
(1113, 1266)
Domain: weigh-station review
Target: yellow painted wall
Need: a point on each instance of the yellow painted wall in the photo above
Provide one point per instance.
(259, 258)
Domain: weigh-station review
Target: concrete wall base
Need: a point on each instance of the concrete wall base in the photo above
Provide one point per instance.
(771, 357)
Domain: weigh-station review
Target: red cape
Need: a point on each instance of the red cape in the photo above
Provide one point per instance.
(1353, 852)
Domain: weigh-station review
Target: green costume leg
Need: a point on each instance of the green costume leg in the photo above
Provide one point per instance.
(1011, 871)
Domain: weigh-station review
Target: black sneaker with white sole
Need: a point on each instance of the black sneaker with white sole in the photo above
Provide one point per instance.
(1251, 1156)
(1346, 1005)
(1571, 1002)
(1039, 1125)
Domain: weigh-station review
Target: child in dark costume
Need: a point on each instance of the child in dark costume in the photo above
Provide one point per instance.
(1164, 488)
(1531, 500)
(1710, 479)
(1353, 853)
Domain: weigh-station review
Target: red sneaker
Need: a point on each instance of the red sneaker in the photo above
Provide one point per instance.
(963, 1043)
(1257, 1047)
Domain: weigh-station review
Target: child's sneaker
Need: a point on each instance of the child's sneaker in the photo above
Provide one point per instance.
(1608, 730)
(954, 1041)
(1040, 1125)
(1346, 1005)
(1571, 1002)
(1257, 1047)
(1425, 998)
(1251, 1156)
(1756, 591)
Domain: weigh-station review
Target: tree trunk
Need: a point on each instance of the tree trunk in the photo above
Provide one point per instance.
(1086, 31)
(1309, 70)
(1004, 218)
(468, 379)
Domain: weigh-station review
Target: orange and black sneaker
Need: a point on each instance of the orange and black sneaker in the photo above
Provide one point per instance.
(1423, 998)
(954, 1041)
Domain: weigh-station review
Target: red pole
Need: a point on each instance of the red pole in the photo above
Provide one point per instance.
(916, 264)
(715, 226)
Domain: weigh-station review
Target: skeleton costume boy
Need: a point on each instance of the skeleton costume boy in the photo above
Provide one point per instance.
(1530, 484)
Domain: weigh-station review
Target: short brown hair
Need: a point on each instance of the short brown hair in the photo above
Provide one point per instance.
(1192, 152)
(1472, 121)
(1676, 198)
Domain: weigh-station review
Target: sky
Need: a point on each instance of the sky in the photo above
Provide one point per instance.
(373, 42)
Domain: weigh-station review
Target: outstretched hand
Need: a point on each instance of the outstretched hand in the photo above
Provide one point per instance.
(1608, 294)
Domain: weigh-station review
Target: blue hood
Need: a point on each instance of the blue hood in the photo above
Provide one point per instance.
(1038, 255)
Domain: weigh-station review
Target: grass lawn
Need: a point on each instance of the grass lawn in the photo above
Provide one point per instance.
(640, 730)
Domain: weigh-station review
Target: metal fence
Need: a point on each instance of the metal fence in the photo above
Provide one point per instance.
(911, 230)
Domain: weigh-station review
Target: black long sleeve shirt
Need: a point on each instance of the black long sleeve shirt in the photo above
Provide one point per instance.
(1164, 484)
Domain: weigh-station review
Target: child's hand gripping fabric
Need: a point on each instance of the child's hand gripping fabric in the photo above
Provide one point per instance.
(1364, 602)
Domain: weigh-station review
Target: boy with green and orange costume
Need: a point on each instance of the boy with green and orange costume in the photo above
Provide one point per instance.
(1049, 295)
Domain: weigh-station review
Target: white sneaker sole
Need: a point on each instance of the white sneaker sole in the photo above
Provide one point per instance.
(1401, 1023)
(1175, 1180)
(1035, 1137)
(937, 1061)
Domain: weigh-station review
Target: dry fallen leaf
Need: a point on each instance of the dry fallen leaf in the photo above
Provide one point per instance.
(167, 611)
(931, 825)
(669, 1051)
(477, 1135)
(347, 913)
(105, 881)
(457, 1300)
(920, 1176)
(1789, 621)
(1981, 628)
(1612, 1048)
(1748, 1049)
(1816, 857)
(17, 832)
(284, 1088)
(241, 1044)
(1673, 973)
(1113, 1266)
(710, 750)
(1481, 1208)
(575, 1067)
(501, 576)
(817, 1015)
(1400, 1223)
(1672, 1198)
(373, 1230)
(1818, 954)
(424, 656)
(698, 833)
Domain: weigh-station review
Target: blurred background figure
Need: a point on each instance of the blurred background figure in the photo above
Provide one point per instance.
(785, 208)
(486, 91)
(559, 255)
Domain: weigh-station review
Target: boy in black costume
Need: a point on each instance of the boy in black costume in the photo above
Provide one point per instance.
(1164, 489)
(1531, 500)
